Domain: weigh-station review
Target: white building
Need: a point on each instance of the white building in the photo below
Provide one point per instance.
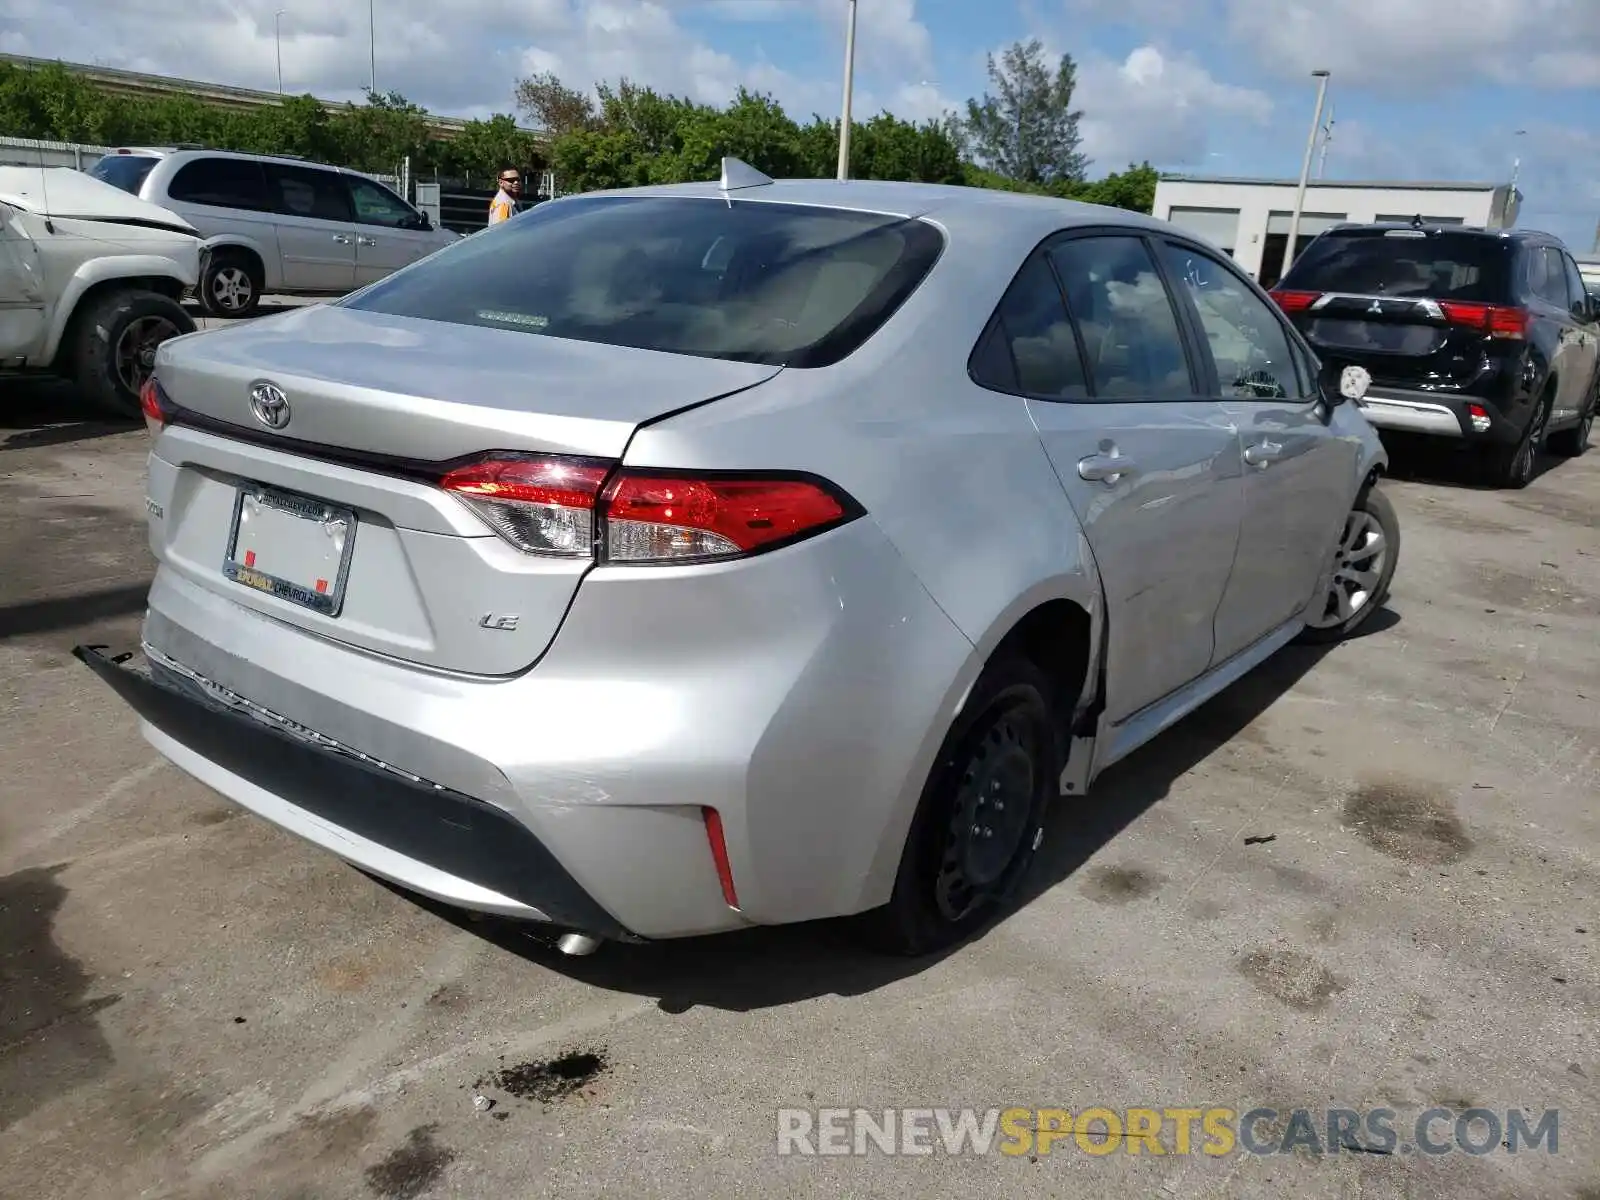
(1249, 218)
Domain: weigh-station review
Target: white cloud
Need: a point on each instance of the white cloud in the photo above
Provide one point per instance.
(1156, 107)
(1411, 45)
(464, 57)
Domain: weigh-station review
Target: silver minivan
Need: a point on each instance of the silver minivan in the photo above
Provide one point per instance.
(276, 225)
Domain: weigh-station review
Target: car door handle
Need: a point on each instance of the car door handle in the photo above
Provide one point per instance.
(1106, 468)
(1263, 454)
(342, 238)
(366, 241)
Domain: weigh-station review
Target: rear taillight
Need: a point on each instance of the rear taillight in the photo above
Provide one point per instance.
(543, 504)
(155, 405)
(1492, 319)
(540, 504)
(670, 518)
(1293, 302)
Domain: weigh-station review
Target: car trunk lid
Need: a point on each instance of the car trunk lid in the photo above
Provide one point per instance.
(335, 522)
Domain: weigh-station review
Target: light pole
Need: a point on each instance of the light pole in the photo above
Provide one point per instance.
(1305, 173)
(849, 83)
(277, 36)
(372, 42)
(1327, 136)
(1516, 161)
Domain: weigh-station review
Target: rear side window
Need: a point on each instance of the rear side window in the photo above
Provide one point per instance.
(1448, 265)
(125, 171)
(1126, 318)
(747, 280)
(221, 183)
(1030, 347)
(1547, 275)
(377, 205)
(306, 192)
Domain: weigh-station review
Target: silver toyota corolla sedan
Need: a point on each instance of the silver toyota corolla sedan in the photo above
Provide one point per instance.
(681, 559)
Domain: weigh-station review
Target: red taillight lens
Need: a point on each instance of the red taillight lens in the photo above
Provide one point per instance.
(545, 504)
(1492, 319)
(1293, 302)
(154, 404)
(662, 518)
(540, 504)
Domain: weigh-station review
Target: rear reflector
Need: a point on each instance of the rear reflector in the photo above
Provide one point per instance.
(540, 504)
(1293, 302)
(719, 855)
(657, 518)
(549, 505)
(1492, 319)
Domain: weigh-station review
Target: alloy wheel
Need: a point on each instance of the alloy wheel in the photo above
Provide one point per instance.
(135, 355)
(1358, 565)
(231, 289)
(1528, 452)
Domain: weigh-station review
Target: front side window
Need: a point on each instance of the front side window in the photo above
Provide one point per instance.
(306, 192)
(1126, 319)
(377, 205)
(747, 280)
(221, 183)
(1248, 343)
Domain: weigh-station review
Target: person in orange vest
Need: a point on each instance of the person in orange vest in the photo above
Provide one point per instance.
(504, 204)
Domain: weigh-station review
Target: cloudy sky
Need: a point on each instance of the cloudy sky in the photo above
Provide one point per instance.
(1420, 89)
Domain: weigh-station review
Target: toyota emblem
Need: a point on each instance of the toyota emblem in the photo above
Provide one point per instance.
(270, 405)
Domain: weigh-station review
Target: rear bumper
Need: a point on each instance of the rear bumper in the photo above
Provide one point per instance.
(801, 694)
(417, 833)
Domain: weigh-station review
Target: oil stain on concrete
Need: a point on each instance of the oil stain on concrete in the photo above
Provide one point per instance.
(1120, 885)
(550, 1079)
(1290, 977)
(1414, 824)
(412, 1168)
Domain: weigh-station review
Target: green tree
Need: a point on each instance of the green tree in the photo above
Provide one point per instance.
(1029, 130)
(554, 108)
(1133, 189)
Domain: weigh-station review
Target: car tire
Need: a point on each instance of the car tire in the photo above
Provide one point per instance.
(231, 284)
(1512, 466)
(1359, 583)
(114, 343)
(1570, 443)
(967, 852)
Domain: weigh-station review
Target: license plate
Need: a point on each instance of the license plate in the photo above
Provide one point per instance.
(292, 547)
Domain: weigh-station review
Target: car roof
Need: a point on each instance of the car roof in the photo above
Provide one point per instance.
(1530, 236)
(188, 154)
(947, 204)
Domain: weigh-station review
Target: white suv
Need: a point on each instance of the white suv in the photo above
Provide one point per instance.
(278, 225)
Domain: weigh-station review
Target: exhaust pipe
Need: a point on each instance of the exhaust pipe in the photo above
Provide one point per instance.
(578, 944)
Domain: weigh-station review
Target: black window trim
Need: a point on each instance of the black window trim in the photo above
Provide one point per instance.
(1298, 347)
(1201, 369)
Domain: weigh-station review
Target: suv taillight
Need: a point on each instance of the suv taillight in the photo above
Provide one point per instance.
(1496, 321)
(577, 508)
(1293, 302)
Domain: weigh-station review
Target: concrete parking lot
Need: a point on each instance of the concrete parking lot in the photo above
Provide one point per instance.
(1365, 878)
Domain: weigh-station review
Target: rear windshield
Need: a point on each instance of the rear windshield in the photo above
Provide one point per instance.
(746, 280)
(126, 171)
(1453, 266)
